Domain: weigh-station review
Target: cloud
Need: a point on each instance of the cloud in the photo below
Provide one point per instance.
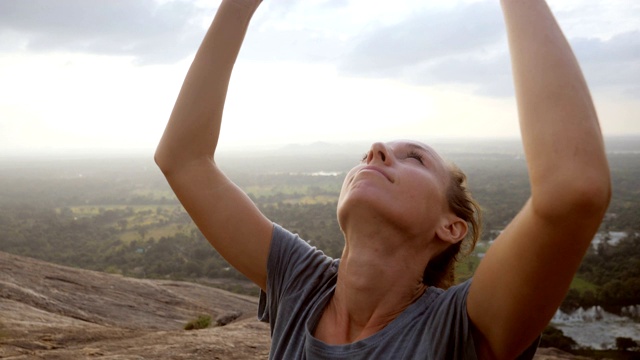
(428, 47)
(299, 31)
(466, 45)
(611, 63)
(426, 36)
(151, 32)
(292, 45)
(462, 44)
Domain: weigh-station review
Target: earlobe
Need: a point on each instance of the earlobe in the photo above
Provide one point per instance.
(452, 230)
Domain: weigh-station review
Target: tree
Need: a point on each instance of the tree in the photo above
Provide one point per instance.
(625, 343)
(142, 232)
(123, 223)
(554, 337)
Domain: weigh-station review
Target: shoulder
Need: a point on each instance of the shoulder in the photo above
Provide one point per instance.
(449, 328)
(453, 298)
(294, 264)
(288, 246)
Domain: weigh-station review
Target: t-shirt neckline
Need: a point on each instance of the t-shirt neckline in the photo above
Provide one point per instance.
(320, 348)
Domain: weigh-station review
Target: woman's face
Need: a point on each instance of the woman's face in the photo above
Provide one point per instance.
(402, 182)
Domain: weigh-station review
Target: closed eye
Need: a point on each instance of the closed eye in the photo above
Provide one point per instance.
(417, 156)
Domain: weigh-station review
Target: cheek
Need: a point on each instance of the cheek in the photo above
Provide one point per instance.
(343, 189)
(341, 198)
(345, 184)
(428, 196)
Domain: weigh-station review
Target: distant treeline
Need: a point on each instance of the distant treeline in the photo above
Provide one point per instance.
(615, 270)
(122, 218)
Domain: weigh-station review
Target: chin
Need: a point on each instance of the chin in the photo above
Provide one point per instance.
(362, 207)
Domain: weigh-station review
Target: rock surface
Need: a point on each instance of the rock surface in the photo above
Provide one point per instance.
(55, 312)
(556, 354)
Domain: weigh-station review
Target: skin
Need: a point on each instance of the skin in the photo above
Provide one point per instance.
(394, 215)
(523, 277)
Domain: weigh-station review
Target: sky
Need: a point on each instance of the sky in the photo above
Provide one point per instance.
(102, 75)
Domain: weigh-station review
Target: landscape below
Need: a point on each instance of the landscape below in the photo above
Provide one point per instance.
(118, 216)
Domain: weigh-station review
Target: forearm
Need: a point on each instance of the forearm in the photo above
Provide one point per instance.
(561, 135)
(193, 128)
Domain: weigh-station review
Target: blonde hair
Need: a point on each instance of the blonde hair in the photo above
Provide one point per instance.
(440, 271)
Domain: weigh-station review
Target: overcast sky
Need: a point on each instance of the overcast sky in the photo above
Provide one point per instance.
(81, 75)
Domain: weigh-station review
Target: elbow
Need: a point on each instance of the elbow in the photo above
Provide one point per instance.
(173, 161)
(604, 193)
(590, 202)
(168, 161)
(161, 159)
(587, 198)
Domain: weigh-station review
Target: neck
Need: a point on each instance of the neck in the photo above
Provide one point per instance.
(380, 275)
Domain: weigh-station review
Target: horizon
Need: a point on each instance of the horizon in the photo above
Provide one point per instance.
(615, 144)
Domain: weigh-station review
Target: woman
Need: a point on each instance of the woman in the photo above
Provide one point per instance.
(403, 210)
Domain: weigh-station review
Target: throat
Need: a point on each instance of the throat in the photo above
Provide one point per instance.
(376, 282)
(344, 322)
(336, 328)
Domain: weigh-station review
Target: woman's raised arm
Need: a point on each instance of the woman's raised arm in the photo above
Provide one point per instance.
(224, 214)
(526, 273)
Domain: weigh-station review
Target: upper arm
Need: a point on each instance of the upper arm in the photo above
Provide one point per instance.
(526, 273)
(226, 216)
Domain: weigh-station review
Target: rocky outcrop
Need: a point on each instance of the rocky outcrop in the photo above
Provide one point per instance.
(556, 354)
(55, 312)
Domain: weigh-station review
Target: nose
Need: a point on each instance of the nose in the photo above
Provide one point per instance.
(379, 151)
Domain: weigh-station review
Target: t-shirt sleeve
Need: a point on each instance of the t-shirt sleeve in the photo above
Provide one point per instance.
(293, 267)
(454, 329)
(450, 325)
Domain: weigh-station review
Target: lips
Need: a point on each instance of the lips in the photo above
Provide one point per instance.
(378, 170)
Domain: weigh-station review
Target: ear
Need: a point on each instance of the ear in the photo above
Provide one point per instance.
(452, 229)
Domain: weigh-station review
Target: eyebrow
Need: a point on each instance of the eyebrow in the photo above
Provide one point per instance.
(427, 151)
(416, 146)
(420, 147)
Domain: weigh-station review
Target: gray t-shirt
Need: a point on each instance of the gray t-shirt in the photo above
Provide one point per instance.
(300, 282)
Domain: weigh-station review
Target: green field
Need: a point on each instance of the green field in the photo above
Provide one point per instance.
(125, 219)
